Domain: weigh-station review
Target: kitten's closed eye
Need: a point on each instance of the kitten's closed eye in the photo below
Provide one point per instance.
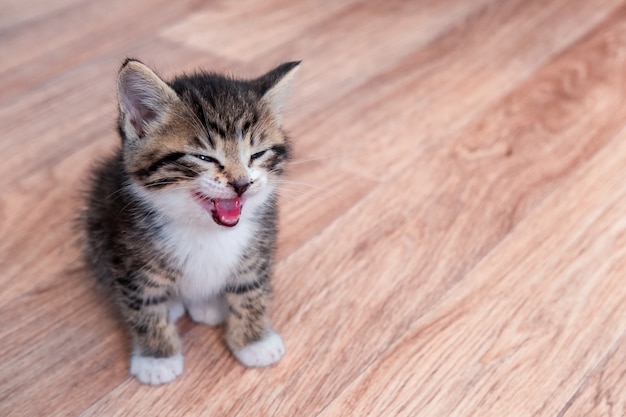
(207, 158)
(257, 155)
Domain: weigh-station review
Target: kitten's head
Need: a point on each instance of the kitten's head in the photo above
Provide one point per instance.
(203, 146)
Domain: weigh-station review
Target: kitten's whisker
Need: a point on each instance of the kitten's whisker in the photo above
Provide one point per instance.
(294, 188)
(186, 167)
(118, 192)
(297, 193)
(125, 207)
(319, 158)
(318, 194)
(274, 171)
(297, 189)
(281, 182)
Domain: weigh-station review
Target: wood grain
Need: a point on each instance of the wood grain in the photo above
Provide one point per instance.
(459, 75)
(542, 313)
(452, 238)
(601, 394)
(43, 49)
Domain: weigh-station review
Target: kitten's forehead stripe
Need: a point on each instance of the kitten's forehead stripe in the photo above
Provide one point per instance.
(198, 143)
(249, 122)
(245, 125)
(248, 125)
(208, 133)
(216, 128)
(196, 103)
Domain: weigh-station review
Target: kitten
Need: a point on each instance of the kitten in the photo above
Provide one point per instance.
(183, 215)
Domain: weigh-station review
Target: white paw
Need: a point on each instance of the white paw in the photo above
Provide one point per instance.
(211, 312)
(175, 311)
(264, 352)
(156, 371)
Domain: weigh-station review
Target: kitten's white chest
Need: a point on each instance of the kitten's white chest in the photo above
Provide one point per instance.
(207, 256)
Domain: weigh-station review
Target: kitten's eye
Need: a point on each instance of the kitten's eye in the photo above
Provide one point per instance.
(257, 155)
(207, 158)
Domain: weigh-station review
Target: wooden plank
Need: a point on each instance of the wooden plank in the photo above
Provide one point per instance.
(39, 243)
(515, 334)
(59, 367)
(252, 29)
(440, 88)
(14, 13)
(311, 200)
(37, 52)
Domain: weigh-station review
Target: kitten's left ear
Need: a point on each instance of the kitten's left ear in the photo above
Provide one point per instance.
(275, 86)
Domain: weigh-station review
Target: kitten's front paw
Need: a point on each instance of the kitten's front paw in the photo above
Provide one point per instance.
(156, 371)
(264, 352)
(212, 312)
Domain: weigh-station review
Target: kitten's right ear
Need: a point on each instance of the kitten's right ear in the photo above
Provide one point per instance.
(275, 85)
(144, 98)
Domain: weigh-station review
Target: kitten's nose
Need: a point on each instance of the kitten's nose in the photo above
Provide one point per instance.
(240, 186)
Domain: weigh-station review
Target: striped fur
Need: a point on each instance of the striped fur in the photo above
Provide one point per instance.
(152, 243)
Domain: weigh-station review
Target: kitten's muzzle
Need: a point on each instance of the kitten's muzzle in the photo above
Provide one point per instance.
(240, 185)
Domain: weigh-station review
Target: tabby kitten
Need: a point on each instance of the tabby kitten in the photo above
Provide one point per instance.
(183, 216)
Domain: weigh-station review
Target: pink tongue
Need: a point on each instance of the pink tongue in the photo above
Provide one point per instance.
(228, 210)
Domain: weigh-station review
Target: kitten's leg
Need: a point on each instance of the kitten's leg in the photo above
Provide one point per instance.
(157, 355)
(249, 335)
(212, 312)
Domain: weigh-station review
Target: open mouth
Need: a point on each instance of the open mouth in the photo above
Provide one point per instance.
(225, 211)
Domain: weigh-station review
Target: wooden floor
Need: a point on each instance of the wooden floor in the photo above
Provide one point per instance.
(453, 243)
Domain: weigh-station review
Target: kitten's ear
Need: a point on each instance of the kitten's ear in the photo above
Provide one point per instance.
(275, 86)
(144, 98)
